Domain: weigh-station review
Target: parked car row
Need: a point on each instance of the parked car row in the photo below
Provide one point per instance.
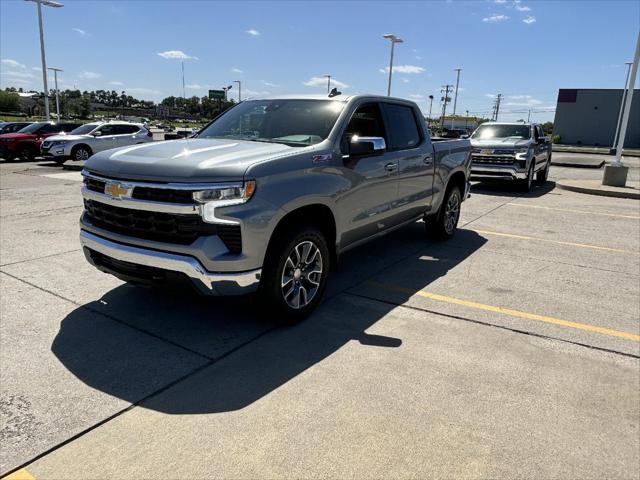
(64, 141)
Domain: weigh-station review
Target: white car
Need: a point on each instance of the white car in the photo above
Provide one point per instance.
(84, 141)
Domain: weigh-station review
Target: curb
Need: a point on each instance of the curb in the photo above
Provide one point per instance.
(599, 192)
(577, 165)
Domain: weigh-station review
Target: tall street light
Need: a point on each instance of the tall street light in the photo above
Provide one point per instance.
(55, 76)
(39, 4)
(430, 105)
(455, 98)
(393, 39)
(328, 77)
(624, 95)
(239, 90)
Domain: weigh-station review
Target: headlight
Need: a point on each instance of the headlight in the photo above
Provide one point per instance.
(521, 150)
(223, 196)
(59, 142)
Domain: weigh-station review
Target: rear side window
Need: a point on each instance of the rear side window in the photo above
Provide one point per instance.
(402, 127)
(67, 127)
(125, 129)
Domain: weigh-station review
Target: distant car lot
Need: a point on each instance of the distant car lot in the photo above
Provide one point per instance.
(425, 359)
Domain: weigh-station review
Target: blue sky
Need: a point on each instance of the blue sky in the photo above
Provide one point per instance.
(525, 50)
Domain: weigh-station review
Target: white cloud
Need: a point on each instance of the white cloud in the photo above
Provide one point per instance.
(523, 101)
(404, 69)
(416, 96)
(269, 84)
(12, 63)
(195, 86)
(522, 8)
(322, 82)
(116, 83)
(236, 70)
(253, 31)
(252, 93)
(80, 31)
(89, 75)
(490, 95)
(37, 69)
(495, 18)
(142, 91)
(405, 80)
(529, 20)
(14, 74)
(500, 1)
(176, 55)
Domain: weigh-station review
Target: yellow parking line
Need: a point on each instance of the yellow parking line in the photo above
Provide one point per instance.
(514, 313)
(559, 242)
(21, 474)
(574, 211)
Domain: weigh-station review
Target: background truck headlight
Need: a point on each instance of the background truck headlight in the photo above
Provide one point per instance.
(223, 196)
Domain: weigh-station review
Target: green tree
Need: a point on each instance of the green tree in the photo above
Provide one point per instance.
(9, 102)
(548, 128)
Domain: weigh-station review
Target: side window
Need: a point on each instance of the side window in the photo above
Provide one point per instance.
(366, 121)
(107, 130)
(403, 127)
(67, 127)
(126, 129)
(49, 129)
(536, 132)
(540, 131)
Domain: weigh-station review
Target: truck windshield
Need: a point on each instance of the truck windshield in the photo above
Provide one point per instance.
(486, 132)
(292, 122)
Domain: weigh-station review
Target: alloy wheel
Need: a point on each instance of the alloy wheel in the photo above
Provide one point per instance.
(301, 275)
(452, 212)
(82, 154)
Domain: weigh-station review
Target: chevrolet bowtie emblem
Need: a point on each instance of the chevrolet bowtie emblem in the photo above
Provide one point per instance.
(116, 190)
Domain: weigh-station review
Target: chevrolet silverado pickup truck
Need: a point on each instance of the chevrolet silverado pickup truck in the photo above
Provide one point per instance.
(267, 196)
(510, 151)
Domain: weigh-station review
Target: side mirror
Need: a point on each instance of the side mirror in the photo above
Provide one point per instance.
(97, 134)
(365, 146)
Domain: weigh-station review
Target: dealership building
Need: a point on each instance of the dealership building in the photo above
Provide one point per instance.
(589, 116)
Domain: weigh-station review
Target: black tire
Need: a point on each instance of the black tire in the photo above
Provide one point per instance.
(527, 183)
(543, 175)
(444, 224)
(80, 153)
(26, 153)
(302, 275)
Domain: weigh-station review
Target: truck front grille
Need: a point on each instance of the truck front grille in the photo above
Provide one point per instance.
(161, 227)
(151, 194)
(492, 159)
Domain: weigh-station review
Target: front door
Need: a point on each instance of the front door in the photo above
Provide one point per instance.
(106, 139)
(367, 207)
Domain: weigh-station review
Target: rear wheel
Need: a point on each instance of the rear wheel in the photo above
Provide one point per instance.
(295, 273)
(26, 153)
(443, 225)
(80, 153)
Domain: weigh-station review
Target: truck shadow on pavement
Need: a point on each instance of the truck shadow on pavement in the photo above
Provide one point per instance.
(243, 354)
(510, 189)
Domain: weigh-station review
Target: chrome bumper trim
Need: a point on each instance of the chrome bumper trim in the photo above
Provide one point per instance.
(235, 283)
(488, 172)
(134, 203)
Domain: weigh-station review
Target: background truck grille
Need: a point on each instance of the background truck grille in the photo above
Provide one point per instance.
(161, 227)
(492, 159)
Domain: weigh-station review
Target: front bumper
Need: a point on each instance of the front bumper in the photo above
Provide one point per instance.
(144, 264)
(485, 172)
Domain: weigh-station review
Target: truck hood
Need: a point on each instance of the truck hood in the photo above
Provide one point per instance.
(190, 160)
(509, 142)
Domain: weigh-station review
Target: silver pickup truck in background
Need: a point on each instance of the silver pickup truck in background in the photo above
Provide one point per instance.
(267, 196)
(510, 151)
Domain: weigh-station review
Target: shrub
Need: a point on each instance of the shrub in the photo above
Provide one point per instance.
(555, 138)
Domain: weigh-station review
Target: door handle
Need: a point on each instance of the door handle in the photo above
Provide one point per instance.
(390, 167)
(427, 160)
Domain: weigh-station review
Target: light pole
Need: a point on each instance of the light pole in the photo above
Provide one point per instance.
(624, 95)
(393, 39)
(430, 105)
(39, 4)
(239, 90)
(455, 98)
(55, 76)
(184, 91)
(226, 89)
(328, 77)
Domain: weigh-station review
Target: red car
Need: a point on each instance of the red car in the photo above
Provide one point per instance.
(25, 144)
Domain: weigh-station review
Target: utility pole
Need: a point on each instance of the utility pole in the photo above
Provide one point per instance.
(445, 89)
(624, 95)
(184, 92)
(328, 77)
(466, 120)
(496, 107)
(55, 76)
(529, 116)
(455, 98)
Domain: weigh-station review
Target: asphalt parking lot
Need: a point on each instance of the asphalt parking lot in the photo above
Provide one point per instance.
(511, 351)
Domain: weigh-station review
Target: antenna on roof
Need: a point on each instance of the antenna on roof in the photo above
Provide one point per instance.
(334, 92)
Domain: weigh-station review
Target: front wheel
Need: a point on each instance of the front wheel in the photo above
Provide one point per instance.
(527, 183)
(295, 273)
(443, 225)
(80, 153)
(26, 153)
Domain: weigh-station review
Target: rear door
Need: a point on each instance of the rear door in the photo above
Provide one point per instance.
(415, 162)
(367, 206)
(125, 135)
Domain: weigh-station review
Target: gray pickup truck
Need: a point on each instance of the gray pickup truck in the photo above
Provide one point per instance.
(267, 196)
(510, 151)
